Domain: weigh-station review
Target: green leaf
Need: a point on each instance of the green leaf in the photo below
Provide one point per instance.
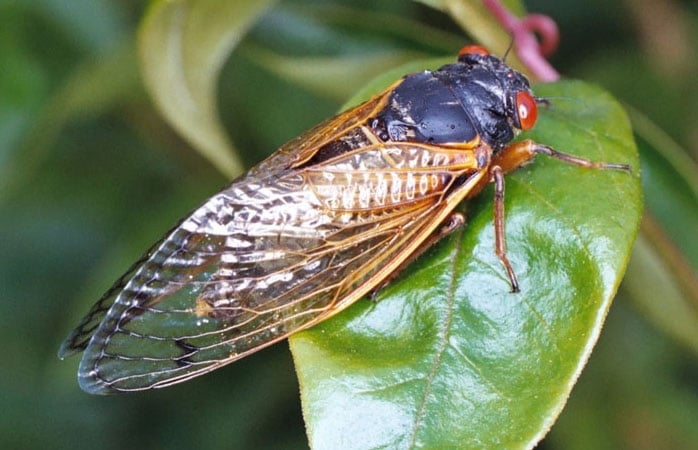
(670, 183)
(663, 286)
(330, 76)
(183, 45)
(662, 279)
(340, 47)
(447, 356)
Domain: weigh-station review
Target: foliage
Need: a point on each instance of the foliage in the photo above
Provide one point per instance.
(90, 175)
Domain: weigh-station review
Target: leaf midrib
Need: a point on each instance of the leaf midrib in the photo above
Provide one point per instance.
(443, 336)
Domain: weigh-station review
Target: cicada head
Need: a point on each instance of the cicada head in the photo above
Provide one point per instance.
(499, 98)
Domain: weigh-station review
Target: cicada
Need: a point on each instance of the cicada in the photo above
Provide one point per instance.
(328, 218)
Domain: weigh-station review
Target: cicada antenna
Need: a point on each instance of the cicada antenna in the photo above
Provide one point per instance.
(548, 101)
(509, 47)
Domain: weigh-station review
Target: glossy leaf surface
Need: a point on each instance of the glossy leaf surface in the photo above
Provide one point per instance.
(447, 356)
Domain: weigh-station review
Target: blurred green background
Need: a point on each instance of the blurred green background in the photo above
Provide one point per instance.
(90, 175)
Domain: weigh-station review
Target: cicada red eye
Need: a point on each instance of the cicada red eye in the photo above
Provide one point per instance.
(526, 109)
(473, 50)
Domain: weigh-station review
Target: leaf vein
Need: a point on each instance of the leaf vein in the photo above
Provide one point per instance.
(443, 339)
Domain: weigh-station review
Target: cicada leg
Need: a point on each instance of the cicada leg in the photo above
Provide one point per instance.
(454, 221)
(509, 159)
(500, 243)
(517, 154)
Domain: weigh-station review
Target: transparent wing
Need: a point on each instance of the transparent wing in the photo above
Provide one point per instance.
(276, 252)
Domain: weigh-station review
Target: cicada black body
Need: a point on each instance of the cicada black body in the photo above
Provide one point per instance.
(323, 221)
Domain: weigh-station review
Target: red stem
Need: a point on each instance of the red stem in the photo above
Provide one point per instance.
(524, 32)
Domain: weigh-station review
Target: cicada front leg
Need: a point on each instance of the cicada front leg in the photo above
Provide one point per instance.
(517, 154)
(511, 158)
